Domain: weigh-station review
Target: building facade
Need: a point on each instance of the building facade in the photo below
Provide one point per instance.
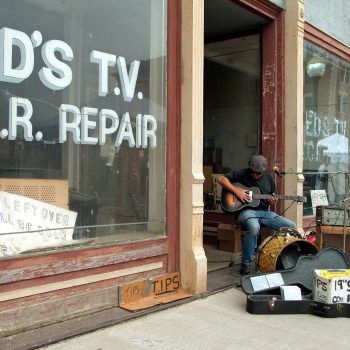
(110, 109)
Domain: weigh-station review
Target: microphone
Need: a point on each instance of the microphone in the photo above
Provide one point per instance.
(276, 170)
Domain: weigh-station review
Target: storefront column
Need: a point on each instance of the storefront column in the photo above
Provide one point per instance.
(193, 262)
(294, 34)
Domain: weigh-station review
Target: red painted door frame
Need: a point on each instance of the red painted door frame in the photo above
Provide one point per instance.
(174, 134)
(272, 97)
(272, 140)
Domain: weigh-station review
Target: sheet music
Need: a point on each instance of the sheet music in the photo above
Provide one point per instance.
(259, 283)
(268, 281)
(275, 280)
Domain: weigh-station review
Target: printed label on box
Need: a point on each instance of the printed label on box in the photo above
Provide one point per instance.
(332, 286)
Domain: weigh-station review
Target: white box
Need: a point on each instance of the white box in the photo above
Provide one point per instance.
(332, 286)
(290, 293)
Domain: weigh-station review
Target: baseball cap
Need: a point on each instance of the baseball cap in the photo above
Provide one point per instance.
(258, 164)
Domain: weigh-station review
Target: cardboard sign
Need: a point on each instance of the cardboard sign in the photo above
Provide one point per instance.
(155, 291)
(27, 224)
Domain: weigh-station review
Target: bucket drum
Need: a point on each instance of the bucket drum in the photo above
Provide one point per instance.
(282, 250)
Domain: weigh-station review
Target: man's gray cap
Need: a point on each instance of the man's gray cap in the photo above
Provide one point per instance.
(258, 164)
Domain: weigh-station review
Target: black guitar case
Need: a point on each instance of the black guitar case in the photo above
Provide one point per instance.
(269, 300)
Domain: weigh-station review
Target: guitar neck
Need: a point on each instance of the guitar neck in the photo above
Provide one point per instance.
(278, 196)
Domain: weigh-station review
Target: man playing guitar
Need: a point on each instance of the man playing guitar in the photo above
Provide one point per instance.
(251, 218)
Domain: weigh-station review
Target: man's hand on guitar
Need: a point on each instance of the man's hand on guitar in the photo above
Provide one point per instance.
(273, 199)
(243, 195)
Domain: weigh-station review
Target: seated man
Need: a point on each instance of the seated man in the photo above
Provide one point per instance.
(252, 218)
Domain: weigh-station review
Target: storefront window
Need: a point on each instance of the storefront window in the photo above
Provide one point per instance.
(326, 125)
(83, 120)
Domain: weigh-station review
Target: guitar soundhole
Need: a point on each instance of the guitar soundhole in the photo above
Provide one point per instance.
(231, 199)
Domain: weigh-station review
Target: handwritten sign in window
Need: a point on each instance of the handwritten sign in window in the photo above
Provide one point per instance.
(27, 224)
(318, 197)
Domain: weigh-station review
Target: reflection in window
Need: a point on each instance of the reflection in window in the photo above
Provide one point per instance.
(104, 133)
(326, 124)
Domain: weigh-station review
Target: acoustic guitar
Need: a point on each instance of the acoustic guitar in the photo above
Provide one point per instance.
(230, 203)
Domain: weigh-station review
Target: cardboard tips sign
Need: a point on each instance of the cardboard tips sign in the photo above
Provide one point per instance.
(155, 291)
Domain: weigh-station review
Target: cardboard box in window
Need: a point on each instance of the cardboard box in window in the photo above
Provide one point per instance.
(332, 286)
(208, 182)
(229, 237)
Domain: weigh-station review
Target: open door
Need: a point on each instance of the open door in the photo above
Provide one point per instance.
(242, 107)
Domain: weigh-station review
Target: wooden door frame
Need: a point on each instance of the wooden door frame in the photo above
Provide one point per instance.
(272, 140)
(173, 134)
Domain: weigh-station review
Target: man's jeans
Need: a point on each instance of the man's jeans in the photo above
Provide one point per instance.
(251, 220)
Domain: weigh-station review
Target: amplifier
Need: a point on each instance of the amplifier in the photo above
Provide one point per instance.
(332, 215)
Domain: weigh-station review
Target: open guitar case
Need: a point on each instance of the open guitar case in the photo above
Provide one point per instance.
(269, 300)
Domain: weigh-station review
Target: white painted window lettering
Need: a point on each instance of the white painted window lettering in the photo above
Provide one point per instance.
(65, 126)
(8, 39)
(87, 124)
(107, 114)
(125, 132)
(23, 120)
(104, 60)
(54, 65)
(82, 121)
(149, 133)
(56, 74)
(128, 81)
(139, 131)
(11, 37)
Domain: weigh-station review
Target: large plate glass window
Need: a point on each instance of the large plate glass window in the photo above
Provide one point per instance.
(82, 122)
(326, 126)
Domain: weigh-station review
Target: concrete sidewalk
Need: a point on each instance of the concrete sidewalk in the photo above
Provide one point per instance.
(217, 322)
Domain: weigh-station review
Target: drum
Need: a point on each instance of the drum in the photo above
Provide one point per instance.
(282, 250)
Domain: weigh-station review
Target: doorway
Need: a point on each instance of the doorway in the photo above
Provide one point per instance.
(231, 116)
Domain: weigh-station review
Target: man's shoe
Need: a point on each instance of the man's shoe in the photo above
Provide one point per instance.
(245, 270)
